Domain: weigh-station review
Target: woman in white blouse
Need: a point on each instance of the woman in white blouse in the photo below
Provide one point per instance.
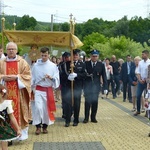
(109, 75)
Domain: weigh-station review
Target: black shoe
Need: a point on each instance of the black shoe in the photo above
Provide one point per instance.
(124, 100)
(30, 122)
(67, 124)
(94, 121)
(75, 124)
(85, 121)
(114, 97)
(63, 116)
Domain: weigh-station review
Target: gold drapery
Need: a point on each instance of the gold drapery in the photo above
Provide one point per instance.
(41, 38)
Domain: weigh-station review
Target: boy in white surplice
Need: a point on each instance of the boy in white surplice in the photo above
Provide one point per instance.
(45, 77)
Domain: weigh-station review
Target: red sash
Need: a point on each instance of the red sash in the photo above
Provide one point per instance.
(51, 107)
(12, 86)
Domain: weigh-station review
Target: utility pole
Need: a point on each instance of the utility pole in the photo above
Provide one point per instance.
(148, 9)
(52, 18)
(0, 7)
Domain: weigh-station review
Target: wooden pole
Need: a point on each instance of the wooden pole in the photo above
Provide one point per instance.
(72, 64)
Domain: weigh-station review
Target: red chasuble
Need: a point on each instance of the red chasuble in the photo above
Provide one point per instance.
(13, 92)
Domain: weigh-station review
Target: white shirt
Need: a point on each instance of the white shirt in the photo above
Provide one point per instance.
(6, 104)
(108, 70)
(143, 68)
(2, 57)
(128, 66)
(93, 63)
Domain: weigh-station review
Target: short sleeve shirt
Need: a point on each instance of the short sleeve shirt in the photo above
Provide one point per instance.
(7, 104)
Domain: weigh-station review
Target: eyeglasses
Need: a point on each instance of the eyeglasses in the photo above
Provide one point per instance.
(9, 49)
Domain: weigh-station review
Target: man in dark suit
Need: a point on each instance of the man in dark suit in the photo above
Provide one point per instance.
(124, 77)
(73, 107)
(95, 70)
(63, 79)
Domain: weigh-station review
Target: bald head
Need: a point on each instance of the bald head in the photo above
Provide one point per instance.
(113, 57)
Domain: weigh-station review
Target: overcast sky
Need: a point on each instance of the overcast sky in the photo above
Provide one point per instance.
(82, 10)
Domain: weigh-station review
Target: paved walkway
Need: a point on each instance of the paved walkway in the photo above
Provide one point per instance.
(117, 129)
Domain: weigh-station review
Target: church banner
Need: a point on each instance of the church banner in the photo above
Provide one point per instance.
(43, 38)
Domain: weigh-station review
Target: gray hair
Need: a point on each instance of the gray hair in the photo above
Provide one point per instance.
(12, 43)
(137, 57)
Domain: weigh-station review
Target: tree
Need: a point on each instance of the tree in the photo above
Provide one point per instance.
(91, 39)
(120, 28)
(27, 23)
(89, 27)
(65, 26)
(119, 46)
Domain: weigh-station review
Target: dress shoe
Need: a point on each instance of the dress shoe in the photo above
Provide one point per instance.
(38, 131)
(30, 122)
(124, 100)
(85, 121)
(63, 116)
(45, 131)
(67, 124)
(75, 124)
(94, 121)
(136, 113)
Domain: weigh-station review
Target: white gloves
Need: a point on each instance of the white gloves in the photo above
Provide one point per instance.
(105, 92)
(72, 76)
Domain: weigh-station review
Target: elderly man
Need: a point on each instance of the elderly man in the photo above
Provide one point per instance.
(45, 77)
(16, 76)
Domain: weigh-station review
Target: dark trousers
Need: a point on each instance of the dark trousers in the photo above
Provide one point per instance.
(63, 93)
(140, 89)
(117, 83)
(126, 86)
(73, 107)
(91, 102)
(112, 87)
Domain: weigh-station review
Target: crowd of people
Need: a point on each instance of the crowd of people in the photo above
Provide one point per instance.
(33, 89)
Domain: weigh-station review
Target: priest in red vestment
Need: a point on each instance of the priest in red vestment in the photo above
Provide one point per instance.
(15, 74)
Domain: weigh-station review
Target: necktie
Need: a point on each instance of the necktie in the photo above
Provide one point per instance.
(94, 64)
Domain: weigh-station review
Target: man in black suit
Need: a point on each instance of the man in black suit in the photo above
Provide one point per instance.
(63, 79)
(95, 70)
(72, 107)
(124, 77)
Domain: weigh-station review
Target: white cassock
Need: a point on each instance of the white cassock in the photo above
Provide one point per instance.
(39, 104)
